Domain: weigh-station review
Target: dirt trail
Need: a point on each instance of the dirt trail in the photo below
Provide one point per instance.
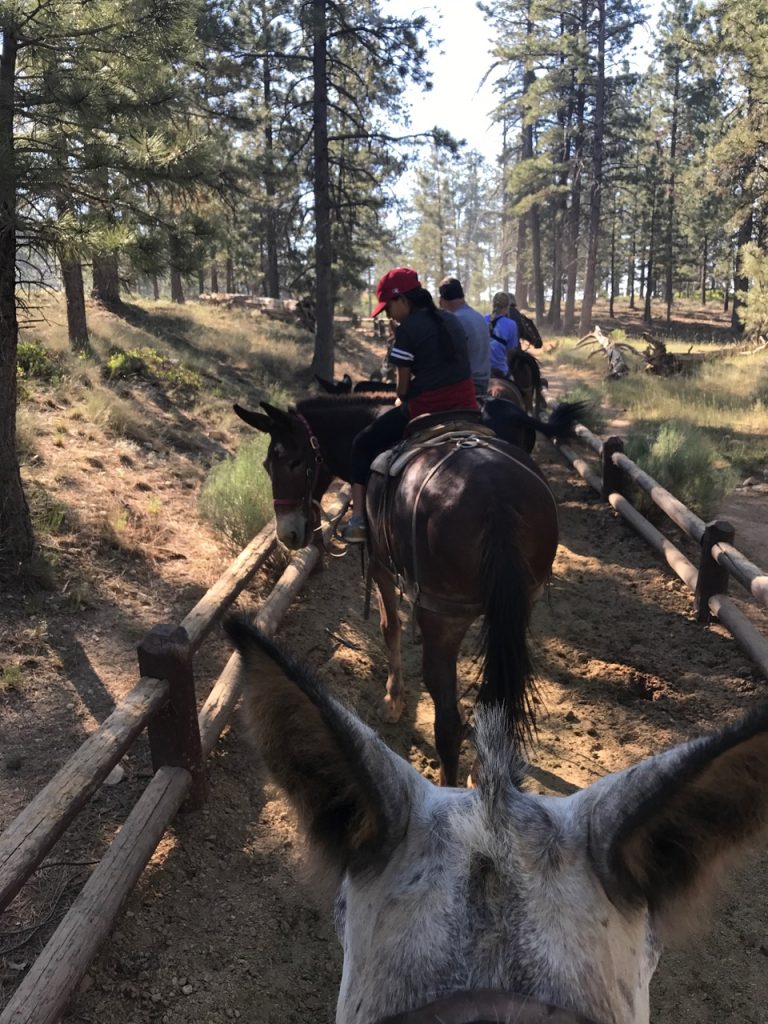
(222, 927)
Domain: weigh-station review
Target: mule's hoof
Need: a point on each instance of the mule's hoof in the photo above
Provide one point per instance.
(391, 709)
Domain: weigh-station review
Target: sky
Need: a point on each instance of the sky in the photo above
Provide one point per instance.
(458, 102)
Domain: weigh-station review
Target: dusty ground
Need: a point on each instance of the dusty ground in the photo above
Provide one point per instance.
(221, 926)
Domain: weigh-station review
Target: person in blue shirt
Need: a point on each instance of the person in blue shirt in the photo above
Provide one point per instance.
(504, 334)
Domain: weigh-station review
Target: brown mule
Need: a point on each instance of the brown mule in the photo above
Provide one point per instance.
(470, 528)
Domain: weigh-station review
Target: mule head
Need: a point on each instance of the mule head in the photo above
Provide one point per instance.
(561, 900)
(331, 387)
(290, 463)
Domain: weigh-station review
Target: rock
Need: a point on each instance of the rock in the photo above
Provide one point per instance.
(13, 762)
(86, 983)
(750, 481)
(572, 717)
(115, 776)
(187, 990)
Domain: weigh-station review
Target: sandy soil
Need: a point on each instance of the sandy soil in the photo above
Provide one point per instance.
(222, 925)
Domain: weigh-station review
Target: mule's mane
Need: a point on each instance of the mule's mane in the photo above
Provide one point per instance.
(317, 403)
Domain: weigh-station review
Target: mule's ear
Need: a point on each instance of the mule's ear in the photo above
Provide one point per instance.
(351, 792)
(662, 832)
(255, 419)
(279, 416)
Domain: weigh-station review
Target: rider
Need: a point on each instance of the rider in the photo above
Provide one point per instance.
(452, 299)
(429, 354)
(504, 333)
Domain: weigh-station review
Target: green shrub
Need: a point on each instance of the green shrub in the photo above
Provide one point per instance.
(236, 497)
(682, 459)
(149, 364)
(35, 362)
(121, 365)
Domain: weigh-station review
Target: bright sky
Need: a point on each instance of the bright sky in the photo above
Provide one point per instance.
(457, 101)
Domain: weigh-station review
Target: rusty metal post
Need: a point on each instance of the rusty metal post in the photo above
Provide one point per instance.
(713, 578)
(613, 477)
(174, 734)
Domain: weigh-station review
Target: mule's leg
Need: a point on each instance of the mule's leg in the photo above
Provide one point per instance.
(441, 638)
(391, 707)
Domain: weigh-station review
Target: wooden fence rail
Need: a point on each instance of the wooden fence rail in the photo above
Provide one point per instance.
(180, 740)
(719, 559)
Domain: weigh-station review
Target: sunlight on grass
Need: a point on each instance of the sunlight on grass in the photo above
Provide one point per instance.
(236, 497)
(115, 415)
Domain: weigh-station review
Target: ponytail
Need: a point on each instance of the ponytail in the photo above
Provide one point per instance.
(420, 298)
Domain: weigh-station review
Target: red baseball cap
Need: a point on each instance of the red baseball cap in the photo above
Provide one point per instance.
(394, 283)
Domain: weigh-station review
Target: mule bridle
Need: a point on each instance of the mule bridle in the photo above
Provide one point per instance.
(312, 473)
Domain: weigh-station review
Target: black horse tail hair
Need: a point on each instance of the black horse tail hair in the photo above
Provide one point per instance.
(503, 416)
(507, 669)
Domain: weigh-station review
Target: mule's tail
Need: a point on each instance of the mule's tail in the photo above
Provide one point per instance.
(507, 670)
(503, 417)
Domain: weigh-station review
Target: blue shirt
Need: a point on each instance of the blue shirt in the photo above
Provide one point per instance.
(477, 337)
(506, 338)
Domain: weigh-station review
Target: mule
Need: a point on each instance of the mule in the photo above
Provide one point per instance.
(526, 373)
(461, 906)
(510, 421)
(345, 386)
(469, 527)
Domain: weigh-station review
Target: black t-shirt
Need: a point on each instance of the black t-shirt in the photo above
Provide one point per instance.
(418, 346)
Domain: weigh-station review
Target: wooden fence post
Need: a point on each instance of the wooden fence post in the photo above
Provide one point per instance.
(713, 578)
(613, 477)
(174, 734)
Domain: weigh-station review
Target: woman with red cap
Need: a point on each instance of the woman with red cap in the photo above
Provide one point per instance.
(433, 375)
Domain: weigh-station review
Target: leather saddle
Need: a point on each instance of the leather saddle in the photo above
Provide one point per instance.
(429, 431)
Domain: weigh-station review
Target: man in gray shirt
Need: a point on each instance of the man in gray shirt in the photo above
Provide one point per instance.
(476, 328)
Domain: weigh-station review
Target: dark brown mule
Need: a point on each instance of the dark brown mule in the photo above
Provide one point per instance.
(469, 527)
(526, 373)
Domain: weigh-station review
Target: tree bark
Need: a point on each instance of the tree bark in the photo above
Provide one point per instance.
(155, 287)
(521, 264)
(650, 283)
(272, 269)
(703, 281)
(200, 281)
(77, 323)
(671, 198)
(16, 537)
(230, 273)
(177, 288)
(740, 281)
(214, 278)
(323, 360)
(597, 176)
(106, 279)
(574, 213)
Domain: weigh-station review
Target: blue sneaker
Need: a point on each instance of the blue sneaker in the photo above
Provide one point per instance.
(356, 531)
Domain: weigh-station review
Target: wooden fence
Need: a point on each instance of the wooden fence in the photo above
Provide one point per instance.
(180, 740)
(719, 559)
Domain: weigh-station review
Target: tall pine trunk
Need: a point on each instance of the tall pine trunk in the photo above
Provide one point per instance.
(703, 279)
(740, 280)
(106, 279)
(214, 278)
(230, 275)
(596, 191)
(177, 288)
(521, 265)
(671, 198)
(574, 212)
(16, 537)
(272, 271)
(650, 282)
(77, 323)
(323, 360)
